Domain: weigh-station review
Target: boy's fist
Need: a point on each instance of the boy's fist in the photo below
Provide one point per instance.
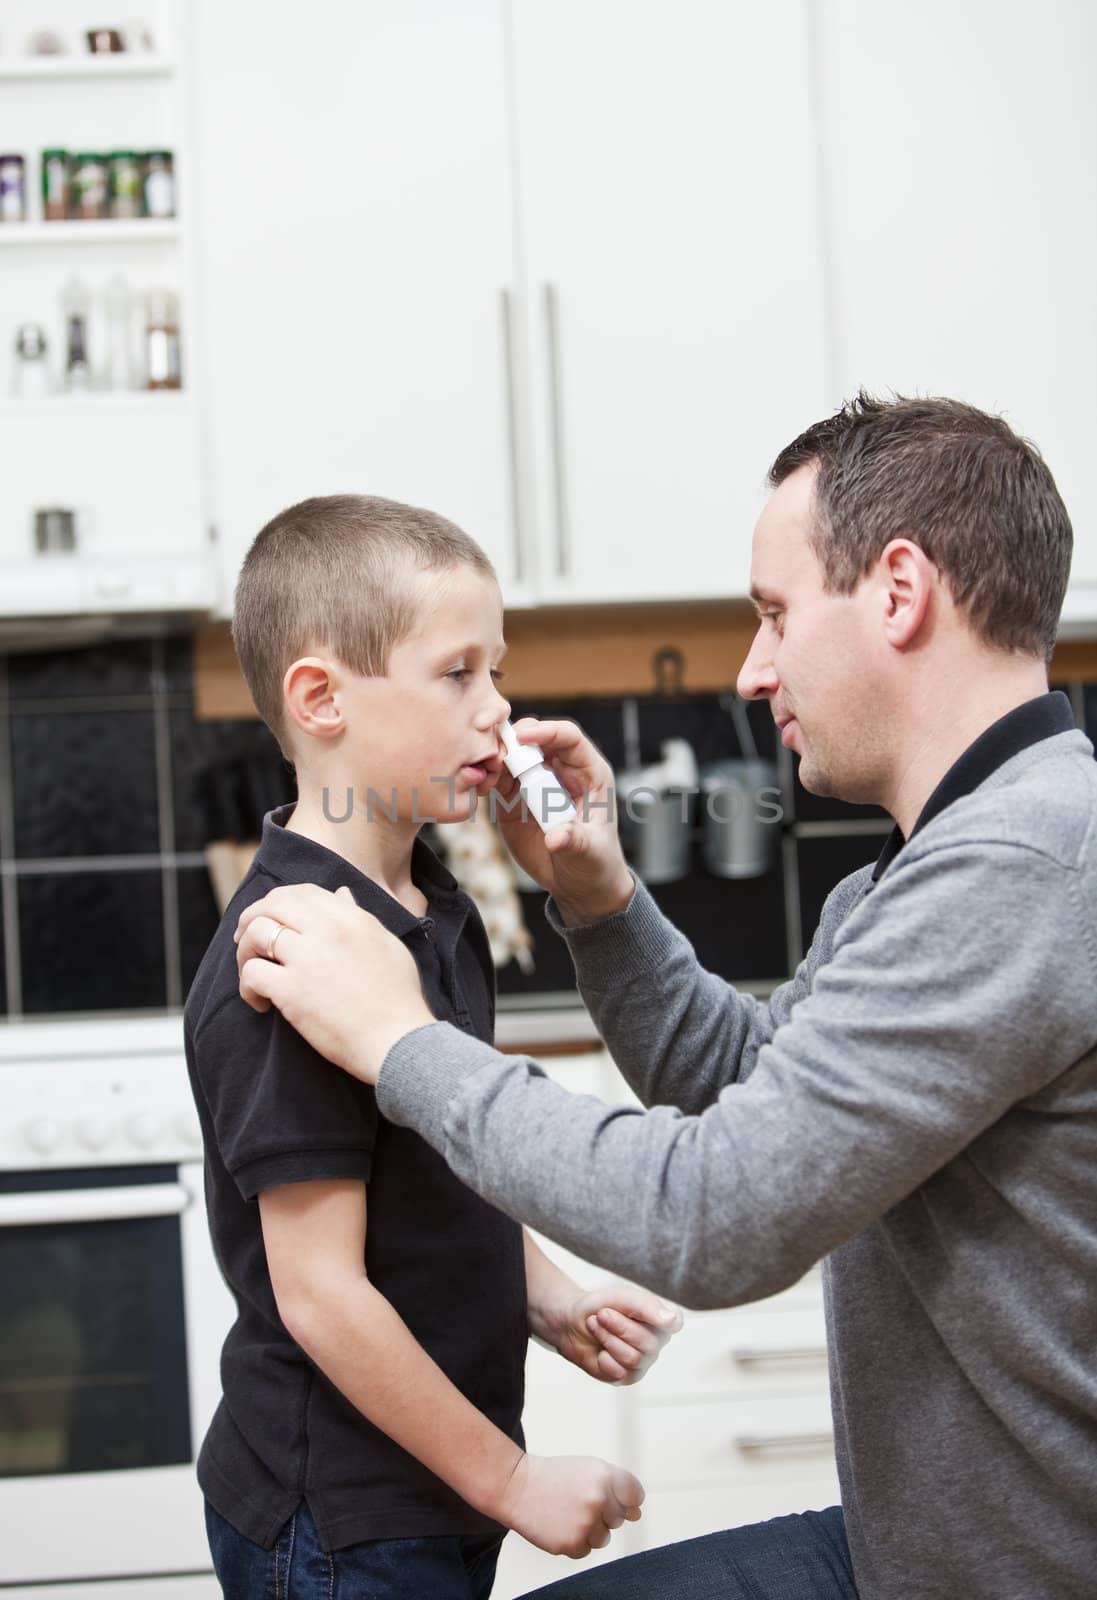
(615, 1331)
(569, 1505)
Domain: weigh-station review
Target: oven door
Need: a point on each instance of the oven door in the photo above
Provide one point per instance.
(111, 1321)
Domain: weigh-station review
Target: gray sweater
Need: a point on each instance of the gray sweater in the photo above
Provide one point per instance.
(918, 1105)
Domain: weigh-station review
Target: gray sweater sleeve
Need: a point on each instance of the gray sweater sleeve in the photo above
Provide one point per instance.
(677, 1033)
(944, 1002)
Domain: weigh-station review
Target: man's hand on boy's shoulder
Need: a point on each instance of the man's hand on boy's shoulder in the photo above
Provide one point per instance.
(337, 976)
(615, 1332)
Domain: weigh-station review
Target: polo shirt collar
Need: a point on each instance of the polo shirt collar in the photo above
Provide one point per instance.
(1025, 725)
(294, 858)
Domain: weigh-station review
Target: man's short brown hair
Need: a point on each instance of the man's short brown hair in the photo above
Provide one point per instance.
(975, 496)
(335, 573)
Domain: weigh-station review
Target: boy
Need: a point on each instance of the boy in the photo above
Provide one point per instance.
(370, 1427)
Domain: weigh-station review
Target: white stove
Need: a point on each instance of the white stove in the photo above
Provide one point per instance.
(112, 1317)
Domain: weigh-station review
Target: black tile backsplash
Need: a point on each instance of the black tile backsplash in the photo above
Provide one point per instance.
(823, 863)
(94, 736)
(1089, 701)
(198, 919)
(99, 672)
(92, 941)
(84, 783)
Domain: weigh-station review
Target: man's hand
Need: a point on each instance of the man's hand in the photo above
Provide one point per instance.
(580, 863)
(343, 981)
(615, 1331)
(568, 1505)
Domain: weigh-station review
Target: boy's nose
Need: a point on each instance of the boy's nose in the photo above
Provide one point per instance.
(493, 711)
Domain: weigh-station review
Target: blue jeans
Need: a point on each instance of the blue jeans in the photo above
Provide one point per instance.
(803, 1557)
(443, 1567)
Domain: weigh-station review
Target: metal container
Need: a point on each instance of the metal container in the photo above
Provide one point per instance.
(656, 827)
(742, 814)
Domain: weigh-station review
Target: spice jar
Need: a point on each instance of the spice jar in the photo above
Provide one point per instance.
(163, 369)
(56, 187)
(124, 184)
(159, 184)
(13, 189)
(89, 186)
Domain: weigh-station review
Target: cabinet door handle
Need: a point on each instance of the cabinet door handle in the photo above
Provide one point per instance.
(761, 1443)
(758, 1355)
(556, 426)
(506, 319)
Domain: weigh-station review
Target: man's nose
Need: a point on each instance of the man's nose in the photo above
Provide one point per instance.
(757, 676)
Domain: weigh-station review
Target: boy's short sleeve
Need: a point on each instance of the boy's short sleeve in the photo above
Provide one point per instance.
(280, 1112)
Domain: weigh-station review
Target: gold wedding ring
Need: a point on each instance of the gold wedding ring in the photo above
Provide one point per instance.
(274, 938)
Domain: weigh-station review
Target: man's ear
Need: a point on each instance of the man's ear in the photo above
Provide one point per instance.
(907, 582)
(309, 692)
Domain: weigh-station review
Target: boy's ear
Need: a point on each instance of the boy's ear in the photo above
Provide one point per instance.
(308, 689)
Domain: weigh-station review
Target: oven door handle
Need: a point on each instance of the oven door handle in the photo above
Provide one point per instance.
(119, 1204)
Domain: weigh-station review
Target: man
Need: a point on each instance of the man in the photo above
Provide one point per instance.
(918, 1105)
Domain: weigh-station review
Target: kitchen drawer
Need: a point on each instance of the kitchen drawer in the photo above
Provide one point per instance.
(689, 1513)
(761, 1439)
(768, 1348)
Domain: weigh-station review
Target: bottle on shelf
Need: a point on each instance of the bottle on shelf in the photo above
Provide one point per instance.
(124, 184)
(13, 189)
(56, 185)
(31, 379)
(89, 186)
(159, 183)
(163, 368)
(76, 304)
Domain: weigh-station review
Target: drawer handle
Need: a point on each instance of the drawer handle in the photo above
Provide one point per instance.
(756, 1355)
(760, 1443)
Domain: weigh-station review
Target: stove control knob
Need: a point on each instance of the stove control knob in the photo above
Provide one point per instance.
(187, 1130)
(143, 1130)
(43, 1135)
(93, 1132)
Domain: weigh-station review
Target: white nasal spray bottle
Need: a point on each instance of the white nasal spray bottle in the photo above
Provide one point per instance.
(547, 801)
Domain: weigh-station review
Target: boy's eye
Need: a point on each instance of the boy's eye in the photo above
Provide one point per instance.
(460, 673)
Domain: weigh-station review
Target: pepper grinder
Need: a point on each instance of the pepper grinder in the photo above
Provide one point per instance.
(75, 305)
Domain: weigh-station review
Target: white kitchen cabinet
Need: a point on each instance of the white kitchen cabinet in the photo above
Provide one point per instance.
(731, 1425)
(357, 258)
(959, 145)
(550, 269)
(125, 459)
(671, 240)
(566, 1412)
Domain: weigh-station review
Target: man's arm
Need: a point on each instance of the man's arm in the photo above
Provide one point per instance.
(314, 1235)
(678, 1033)
(926, 1026)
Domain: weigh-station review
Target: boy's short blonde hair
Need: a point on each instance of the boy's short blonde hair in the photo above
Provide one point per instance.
(334, 574)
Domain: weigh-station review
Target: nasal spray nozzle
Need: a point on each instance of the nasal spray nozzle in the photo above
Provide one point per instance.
(546, 799)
